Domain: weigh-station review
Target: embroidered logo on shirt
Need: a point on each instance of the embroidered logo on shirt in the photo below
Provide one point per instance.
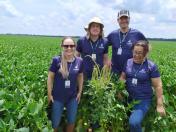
(76, 68)
(142, 71)
(101, 46)
(129, 42)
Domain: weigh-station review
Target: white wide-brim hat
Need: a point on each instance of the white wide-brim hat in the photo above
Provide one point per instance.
(95, 20)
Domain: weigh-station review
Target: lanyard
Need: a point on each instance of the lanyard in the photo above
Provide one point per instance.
(138, 69)
(122, 40)
(94, 50)
(69, 69)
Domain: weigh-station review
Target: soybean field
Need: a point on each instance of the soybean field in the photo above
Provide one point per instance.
(24, 63)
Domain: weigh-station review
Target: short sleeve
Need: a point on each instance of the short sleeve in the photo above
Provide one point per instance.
(124, 68)
(141, 36)
(109, 40)
(154, 72)
(106, 47)
(79, 47)
(53, 66)
(81, 67)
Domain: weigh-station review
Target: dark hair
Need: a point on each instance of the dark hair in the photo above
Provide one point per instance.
(144, 44)
(67, 37)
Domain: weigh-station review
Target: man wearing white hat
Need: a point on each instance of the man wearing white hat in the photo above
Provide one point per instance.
(122, 40)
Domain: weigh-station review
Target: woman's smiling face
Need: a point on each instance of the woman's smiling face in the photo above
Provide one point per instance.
(68, 47)
(138, 54)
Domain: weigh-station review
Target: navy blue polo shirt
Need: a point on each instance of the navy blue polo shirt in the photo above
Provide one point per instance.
(86, 48)
(115, 39)
(59, 91)
(143, 73)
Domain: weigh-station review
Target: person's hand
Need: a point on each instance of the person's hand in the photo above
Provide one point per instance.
(78, 97)
(161, 110)
(50, 99)
(108, 63)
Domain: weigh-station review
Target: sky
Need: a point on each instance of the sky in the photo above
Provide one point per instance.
(154, 18)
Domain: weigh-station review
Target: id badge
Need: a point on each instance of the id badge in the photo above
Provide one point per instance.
(119, 52)
(67, 83)
(94, 56)
(134, 81)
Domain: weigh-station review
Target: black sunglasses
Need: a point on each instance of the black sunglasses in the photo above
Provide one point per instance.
(67, 46)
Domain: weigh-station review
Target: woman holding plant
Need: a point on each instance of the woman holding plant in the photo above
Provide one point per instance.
(93, 48)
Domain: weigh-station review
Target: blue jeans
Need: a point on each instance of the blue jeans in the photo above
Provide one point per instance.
(57, 110)
(138, 114)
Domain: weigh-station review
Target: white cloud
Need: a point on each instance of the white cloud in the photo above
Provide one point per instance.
(7, 9)
(57, 17)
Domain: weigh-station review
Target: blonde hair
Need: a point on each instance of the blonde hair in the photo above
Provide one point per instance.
(63, 66)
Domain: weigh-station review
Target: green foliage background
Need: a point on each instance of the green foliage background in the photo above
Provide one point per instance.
(24, 63)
